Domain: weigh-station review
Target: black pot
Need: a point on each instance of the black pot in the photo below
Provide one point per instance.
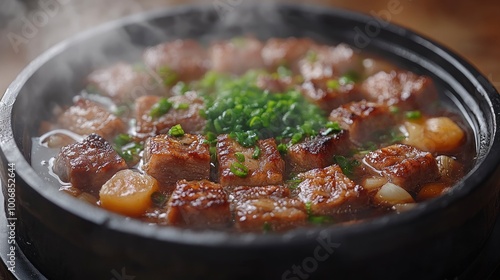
(67, 239)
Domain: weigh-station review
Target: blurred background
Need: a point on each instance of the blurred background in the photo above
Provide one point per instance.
(29, 27)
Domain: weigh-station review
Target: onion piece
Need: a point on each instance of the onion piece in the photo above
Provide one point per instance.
(391, 194)
(128, 193)
(399, 208)
(373, 183)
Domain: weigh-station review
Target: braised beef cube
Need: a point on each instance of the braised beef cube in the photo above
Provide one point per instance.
(267, 208)
(328, 94)
(266, 169)
(252, 192)
(403, 165)
(317, 152)
(88, 164)
(185, 111)
(328, 191)
(285, 51)
(179, 60)
(330, 61)
(400, 88)
(366, 121)
(86, 117)
(170, 159)
(198, 204)
(124, 83)
(237, 55)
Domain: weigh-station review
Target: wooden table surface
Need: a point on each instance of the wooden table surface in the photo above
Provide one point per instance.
(470, 28)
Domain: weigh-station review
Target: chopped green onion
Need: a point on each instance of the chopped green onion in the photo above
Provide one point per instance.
(266, 227)
(213, 153)
(122, 139)
(282, 148)
(181, 106)
(350, 77)
(239, 157)
(168, 76)
(394, 109)
(331, 127)
(159, 199)
(346, 165)
(413, 115)
(284, 72)
(176, 131)
(308, 208)
(256, 152)
(396, 137)
(239, 169)
(297, 137)
(312, 56)
(320, 220)
(130, 151)
(248, 113)
(333, 84)
(160, 108)
(180, 88)
(293, 183)
(120, 110)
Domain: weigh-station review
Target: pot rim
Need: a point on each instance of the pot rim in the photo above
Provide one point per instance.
(484, 168)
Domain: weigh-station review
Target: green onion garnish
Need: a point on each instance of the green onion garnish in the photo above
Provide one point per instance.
(176, 131)
(181, 106)
(239, 169)
(160, 108)
(347, 165)
(282, 148)
(413, 115)
(122, 139)
(158, 199)
(320, 220)
(333, 84)
(168, 76)
(394, 109)
(239, 157)
(256, 153)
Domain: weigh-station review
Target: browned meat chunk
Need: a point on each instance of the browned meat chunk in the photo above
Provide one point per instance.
(328, 94)
(87, 165)
(170, 159)
(240, 193)
(237, 55)
(86, 117)
(198, 204)
(267, 169)
(364, 120)
(123, 83)
(326, 62)
(328, 191)
(266, 208)
(405, 166)
(404, 89)
(317, 152)
(183, 60)
(188, 116)
(285, 51)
